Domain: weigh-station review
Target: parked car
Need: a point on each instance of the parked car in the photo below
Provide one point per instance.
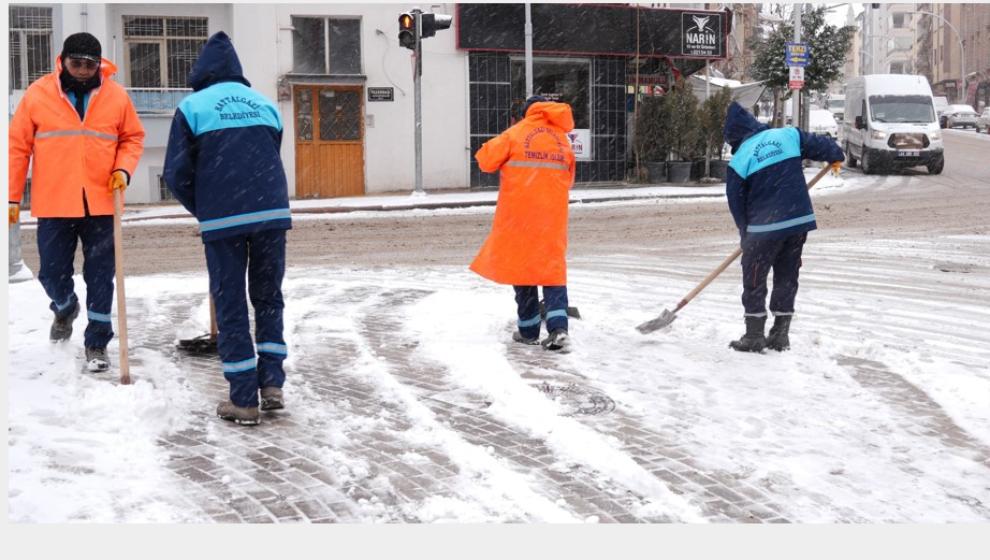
(891, 124)
(821, 121)
(941, 103)
(983, 121)
(958, 115)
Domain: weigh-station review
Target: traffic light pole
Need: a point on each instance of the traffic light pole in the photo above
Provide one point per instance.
(418, 101)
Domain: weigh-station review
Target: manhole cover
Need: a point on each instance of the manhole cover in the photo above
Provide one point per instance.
(577, 399)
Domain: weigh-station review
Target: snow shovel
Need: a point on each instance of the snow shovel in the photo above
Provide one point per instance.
(118, 257)
(206, 343)
(572, 311)
(667, 317)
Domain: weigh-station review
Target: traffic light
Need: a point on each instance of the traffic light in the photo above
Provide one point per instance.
(435, 22)
(407, 30)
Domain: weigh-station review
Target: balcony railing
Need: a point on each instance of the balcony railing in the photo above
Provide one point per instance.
(157, 100)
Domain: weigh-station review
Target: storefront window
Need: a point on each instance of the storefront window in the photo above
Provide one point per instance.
(562, 80)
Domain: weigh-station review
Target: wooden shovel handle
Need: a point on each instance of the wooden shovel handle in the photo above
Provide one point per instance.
(118, 256)
(213, 318)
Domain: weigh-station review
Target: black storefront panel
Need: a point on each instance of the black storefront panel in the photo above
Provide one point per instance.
(602, 92)
(594, 29)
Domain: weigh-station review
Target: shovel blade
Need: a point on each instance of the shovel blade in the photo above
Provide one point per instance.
(665, 318)
(205, 344)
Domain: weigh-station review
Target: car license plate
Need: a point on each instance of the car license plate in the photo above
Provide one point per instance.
(908, 153)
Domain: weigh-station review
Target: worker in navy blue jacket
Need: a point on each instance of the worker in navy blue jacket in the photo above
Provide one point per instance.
(769, 201)
(223, 165)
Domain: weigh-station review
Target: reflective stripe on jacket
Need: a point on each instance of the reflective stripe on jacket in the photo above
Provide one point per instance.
(527, 245)
(72, 158)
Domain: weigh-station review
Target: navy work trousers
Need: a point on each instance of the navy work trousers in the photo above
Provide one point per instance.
(57, 241)
(783, 255)
(261, 255)
(528, 309)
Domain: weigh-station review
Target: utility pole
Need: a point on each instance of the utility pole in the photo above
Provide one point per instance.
(708, 93)
(796, 101)
(418, 96)
(529, 51)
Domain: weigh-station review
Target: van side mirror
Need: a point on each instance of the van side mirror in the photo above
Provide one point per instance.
(859, 123)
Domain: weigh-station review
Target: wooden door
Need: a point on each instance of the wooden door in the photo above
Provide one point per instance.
(329, 141)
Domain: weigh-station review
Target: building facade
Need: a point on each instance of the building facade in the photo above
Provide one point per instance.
(344, 85)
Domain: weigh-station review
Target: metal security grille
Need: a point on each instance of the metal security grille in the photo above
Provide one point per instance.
(161, 50)
(30, 41)
(340, 115)
(163, 193)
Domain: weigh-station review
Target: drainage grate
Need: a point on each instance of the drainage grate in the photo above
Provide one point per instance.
(577, 399)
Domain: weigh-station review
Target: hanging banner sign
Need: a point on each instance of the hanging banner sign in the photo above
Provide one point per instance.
(796, 77)
(796, 54)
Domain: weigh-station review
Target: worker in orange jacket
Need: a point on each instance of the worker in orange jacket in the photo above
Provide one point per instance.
(85, 139)
(527, 246)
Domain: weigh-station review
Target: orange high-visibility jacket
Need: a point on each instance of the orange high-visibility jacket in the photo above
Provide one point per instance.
(528, 242)
(72, 158)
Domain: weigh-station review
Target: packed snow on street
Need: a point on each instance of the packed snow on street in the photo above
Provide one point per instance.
(880, 412)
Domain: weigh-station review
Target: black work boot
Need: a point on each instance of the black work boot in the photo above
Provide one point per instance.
(518, 337)
(62, 327)
(558, 341)
(753, 340)
(777, 338)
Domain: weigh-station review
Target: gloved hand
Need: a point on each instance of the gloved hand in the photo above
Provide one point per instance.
(118, 180)
(836, 167)
(13, 213)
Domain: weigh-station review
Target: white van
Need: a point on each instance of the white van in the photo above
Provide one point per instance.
(837, 104)
(890, 122)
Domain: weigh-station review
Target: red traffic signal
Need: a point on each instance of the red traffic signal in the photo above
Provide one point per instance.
(407, 30)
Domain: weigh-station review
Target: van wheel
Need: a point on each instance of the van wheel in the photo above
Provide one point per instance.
(866, 165)
(935, 168)
(850, 160)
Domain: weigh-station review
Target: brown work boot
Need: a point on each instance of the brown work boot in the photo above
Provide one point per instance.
(243, 415)
(271, 398)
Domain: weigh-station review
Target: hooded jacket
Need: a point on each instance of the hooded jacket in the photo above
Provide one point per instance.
(765, 185)
(222, 162)
(73, 157)
(527, 245)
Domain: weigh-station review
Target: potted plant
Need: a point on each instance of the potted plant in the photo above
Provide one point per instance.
(683, 131)
(651, 140)
(712, 119)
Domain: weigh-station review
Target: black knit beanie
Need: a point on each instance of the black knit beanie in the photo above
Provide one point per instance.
(82, 45)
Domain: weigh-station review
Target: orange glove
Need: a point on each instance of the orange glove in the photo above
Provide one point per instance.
(836, 167)
(118, 180)
(13, 213)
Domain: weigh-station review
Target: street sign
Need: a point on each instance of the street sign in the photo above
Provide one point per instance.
(796, 54)
(795, 77)
(381, 94)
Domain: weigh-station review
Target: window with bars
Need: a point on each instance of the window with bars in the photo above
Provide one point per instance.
(160, 51)
(30, 41)
(322, 45)
(164, 194)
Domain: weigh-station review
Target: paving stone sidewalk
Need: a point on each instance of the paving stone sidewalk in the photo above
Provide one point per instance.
(288, 468)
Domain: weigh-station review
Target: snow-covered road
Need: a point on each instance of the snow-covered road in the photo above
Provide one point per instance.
(408, 401)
